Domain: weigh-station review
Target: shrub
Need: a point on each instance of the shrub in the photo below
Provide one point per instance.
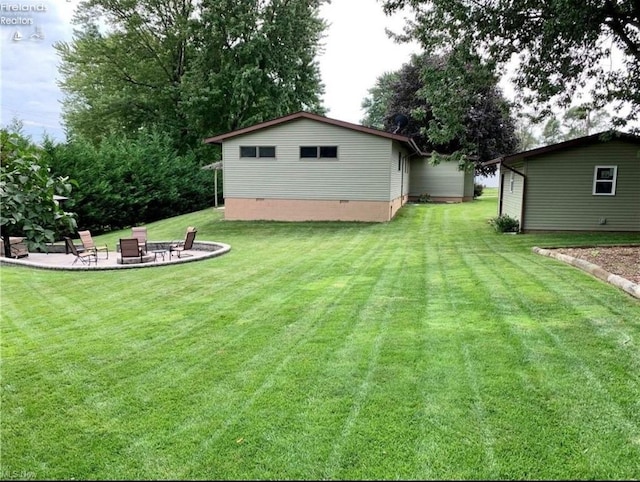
(505, 224)
(477, 190)
(127, 181)
(424, 198)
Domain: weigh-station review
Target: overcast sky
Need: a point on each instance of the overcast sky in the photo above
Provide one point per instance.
(29, 66)
(356, 51)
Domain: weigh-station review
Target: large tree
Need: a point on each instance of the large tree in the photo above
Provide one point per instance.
(190, 68)
(562, 46)
(473, 126)
(253, 60)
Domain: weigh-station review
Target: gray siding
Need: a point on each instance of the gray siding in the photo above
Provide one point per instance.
(399, 177)
(443, 180)
(363, 170)
(512, 201)
(469, 183)
(559, 189)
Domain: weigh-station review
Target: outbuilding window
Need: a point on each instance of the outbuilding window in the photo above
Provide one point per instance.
(604, 180)
(258, 151)
(319, 152)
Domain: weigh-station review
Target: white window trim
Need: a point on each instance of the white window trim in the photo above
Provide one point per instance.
(613, 182)
(512, 181)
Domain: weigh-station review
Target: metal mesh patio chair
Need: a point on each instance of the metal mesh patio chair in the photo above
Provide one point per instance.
(130, 248)
(85, 257)
(184, 245)
(140, 233)
(89, 245)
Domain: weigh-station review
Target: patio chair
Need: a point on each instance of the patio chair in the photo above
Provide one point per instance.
(130, 248)
(89, 245)
(85, 257)
(184, 245)
(140, 233)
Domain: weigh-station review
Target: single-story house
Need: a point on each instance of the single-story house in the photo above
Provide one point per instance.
(308, 167)
(587, 184)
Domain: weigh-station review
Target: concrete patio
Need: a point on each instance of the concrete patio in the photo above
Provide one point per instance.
(57, 259)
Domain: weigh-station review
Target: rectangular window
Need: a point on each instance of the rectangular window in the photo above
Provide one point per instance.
(309, 152)
(399, 161)
(604, 180)
(257, 151)
(267, 151)
(329, 151)
(248, 151)
(319, 152)
(512, 181)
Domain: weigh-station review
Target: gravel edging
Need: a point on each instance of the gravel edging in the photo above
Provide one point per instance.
(594, 270)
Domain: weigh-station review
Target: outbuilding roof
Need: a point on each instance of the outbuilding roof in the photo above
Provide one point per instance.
(319, 118)
(579, 142)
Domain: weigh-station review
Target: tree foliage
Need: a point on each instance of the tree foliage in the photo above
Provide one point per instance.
(573, 123)
(27, 189)
(125, 181)
(562, 45)
(188, 68)
(473, 126)
(376, 103)
(146, 80)
(254, 60)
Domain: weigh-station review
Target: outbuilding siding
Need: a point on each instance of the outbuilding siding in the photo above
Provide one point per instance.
(399, 171)
(559, 189)
(361, 172)
(369, 179)
(442, 181)
(469, 184)
(512, 201)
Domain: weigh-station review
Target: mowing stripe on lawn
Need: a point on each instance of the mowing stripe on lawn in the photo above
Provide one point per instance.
(428, 347)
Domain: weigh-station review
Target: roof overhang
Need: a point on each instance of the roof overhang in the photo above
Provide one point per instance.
(219, 139)
(579, 142)
(213, 166)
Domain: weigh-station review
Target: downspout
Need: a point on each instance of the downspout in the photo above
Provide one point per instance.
(404, 159)
(501, 194)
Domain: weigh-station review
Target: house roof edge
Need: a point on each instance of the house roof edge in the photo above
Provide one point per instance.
(578, 142)
(308, 115)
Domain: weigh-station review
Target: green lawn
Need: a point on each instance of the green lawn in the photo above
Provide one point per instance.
(429, 347)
